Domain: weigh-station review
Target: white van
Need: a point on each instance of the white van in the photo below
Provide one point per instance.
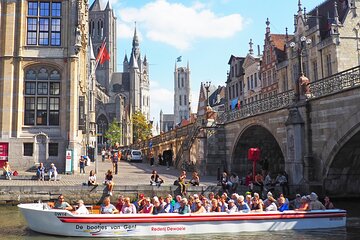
(135, 155)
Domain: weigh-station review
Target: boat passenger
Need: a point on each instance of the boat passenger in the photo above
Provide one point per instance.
(139, 204)
(61, 204)
(128, 207)
(215, 206)
(155, 179)
(231, 207)
(157, 208)
(53, 172)
(295, 204)
(304, 205)
(177, 203)
(81, 208)
(328, 204)
(109, 182)
(283, 206)
(242, 205)
(120, 203)
(223, 202)
(168, 208)
(315, 204)
(267, 202)
(40, 172)
(92, 179)
(192, 202)
(195, 179)
(199, 207)
(148, 207)
(184, 207)
(272, 206)
(248, 200)
(257, 204)
(107, 207)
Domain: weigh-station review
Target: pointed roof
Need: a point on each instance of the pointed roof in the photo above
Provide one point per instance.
(98, 5)
(108, 6)
(133, 62)
(126, 58)
(135, 38)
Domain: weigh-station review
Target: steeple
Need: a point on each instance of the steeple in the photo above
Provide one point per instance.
(145, 60)
(108, 5)
(251, 50)
(95, 6)
(267, 26)
(299, 5)
(336, 14)
(126, 58)
(135, 39)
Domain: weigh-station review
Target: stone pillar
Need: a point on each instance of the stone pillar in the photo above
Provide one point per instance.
(294, 164)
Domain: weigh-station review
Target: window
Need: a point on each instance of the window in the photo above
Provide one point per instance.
(328, 65)
(42, 97)
(185, 103)
(229, 92)
(248, 83)
(232, 71)
(180, 102)
(28, 149)
(315, 70)
(255, 79)
(268, 56)
(264, 79)
(237, 89)
(44, 23)
(182, 82)
(53, 149)
(252, 82)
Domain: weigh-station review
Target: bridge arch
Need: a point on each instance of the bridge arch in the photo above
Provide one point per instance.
(257, 135)
(342, 168)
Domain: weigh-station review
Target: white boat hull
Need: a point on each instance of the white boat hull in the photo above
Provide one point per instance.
(64, 223)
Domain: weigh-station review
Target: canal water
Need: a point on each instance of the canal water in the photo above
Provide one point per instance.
(13, 227)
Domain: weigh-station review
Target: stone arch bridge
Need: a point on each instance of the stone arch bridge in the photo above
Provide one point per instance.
(315, 139)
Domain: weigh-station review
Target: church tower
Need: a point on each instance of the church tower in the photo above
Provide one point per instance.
(138, 70)
(102, 25)
(182, 93)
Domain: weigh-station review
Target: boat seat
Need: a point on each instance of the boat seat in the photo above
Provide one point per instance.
(95, 209)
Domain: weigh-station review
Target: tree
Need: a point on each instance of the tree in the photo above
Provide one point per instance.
(141, 127)
(114, 132)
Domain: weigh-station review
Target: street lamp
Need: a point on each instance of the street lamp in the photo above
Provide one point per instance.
(207, 86)
(301, 46)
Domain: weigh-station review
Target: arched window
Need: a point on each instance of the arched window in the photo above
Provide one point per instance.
(42, 96)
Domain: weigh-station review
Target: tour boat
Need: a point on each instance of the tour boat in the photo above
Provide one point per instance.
(62, 222)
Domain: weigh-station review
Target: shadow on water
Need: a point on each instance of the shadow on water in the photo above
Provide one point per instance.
(13, 227)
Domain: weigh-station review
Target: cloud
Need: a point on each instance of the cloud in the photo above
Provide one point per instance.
(178, 25)
(161, 99)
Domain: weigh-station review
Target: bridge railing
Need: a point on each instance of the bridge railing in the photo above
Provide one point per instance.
(272, 103)
(338, 82)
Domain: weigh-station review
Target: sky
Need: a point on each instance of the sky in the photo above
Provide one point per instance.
(204, 32)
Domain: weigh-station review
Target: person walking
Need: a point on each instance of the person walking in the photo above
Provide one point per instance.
(82, 164)
(103, 153)
(115, 160)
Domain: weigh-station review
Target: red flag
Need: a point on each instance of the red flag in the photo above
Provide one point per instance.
(103, 54)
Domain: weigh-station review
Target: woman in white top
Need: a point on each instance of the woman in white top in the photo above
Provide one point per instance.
(128, 207)
(92, 179)
(53, 172)
(82, 209)
(272, 206)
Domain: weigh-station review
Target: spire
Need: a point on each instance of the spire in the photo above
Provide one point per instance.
(133, 62)
(95, 6)
(299, 5)
(305, 16)
(267, 25)
(108, 6)
(336, 14)
(286, 35)
(126, 58)
(145, 60)
(135, 39)
(251, 50)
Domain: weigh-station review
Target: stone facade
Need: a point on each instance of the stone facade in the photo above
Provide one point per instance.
(44, 72)
(182, 101)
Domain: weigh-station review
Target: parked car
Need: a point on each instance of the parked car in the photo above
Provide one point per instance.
(135, 155)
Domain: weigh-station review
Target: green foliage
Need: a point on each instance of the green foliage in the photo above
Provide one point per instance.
(141, 127)
(114, 132)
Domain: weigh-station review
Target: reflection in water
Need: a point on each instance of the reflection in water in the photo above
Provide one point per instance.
(13, 226)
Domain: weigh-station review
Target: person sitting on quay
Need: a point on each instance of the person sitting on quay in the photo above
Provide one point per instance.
(282, 205)
(281, 180)
(304, 204)
(181, 182)
(259, 181)
(148, 207)
(128, 207)
(92, 179)
(61, 204)
(272, 206)
(155, 179)
(53, 172)
(195, 179)
(184, 207)
(157, 207)
(234, 179)
(7, 171)
(109, 182)
(242, 205)
(328, 204)
(81, 208)
(40, 172)
(315, 204)
(199, 207)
